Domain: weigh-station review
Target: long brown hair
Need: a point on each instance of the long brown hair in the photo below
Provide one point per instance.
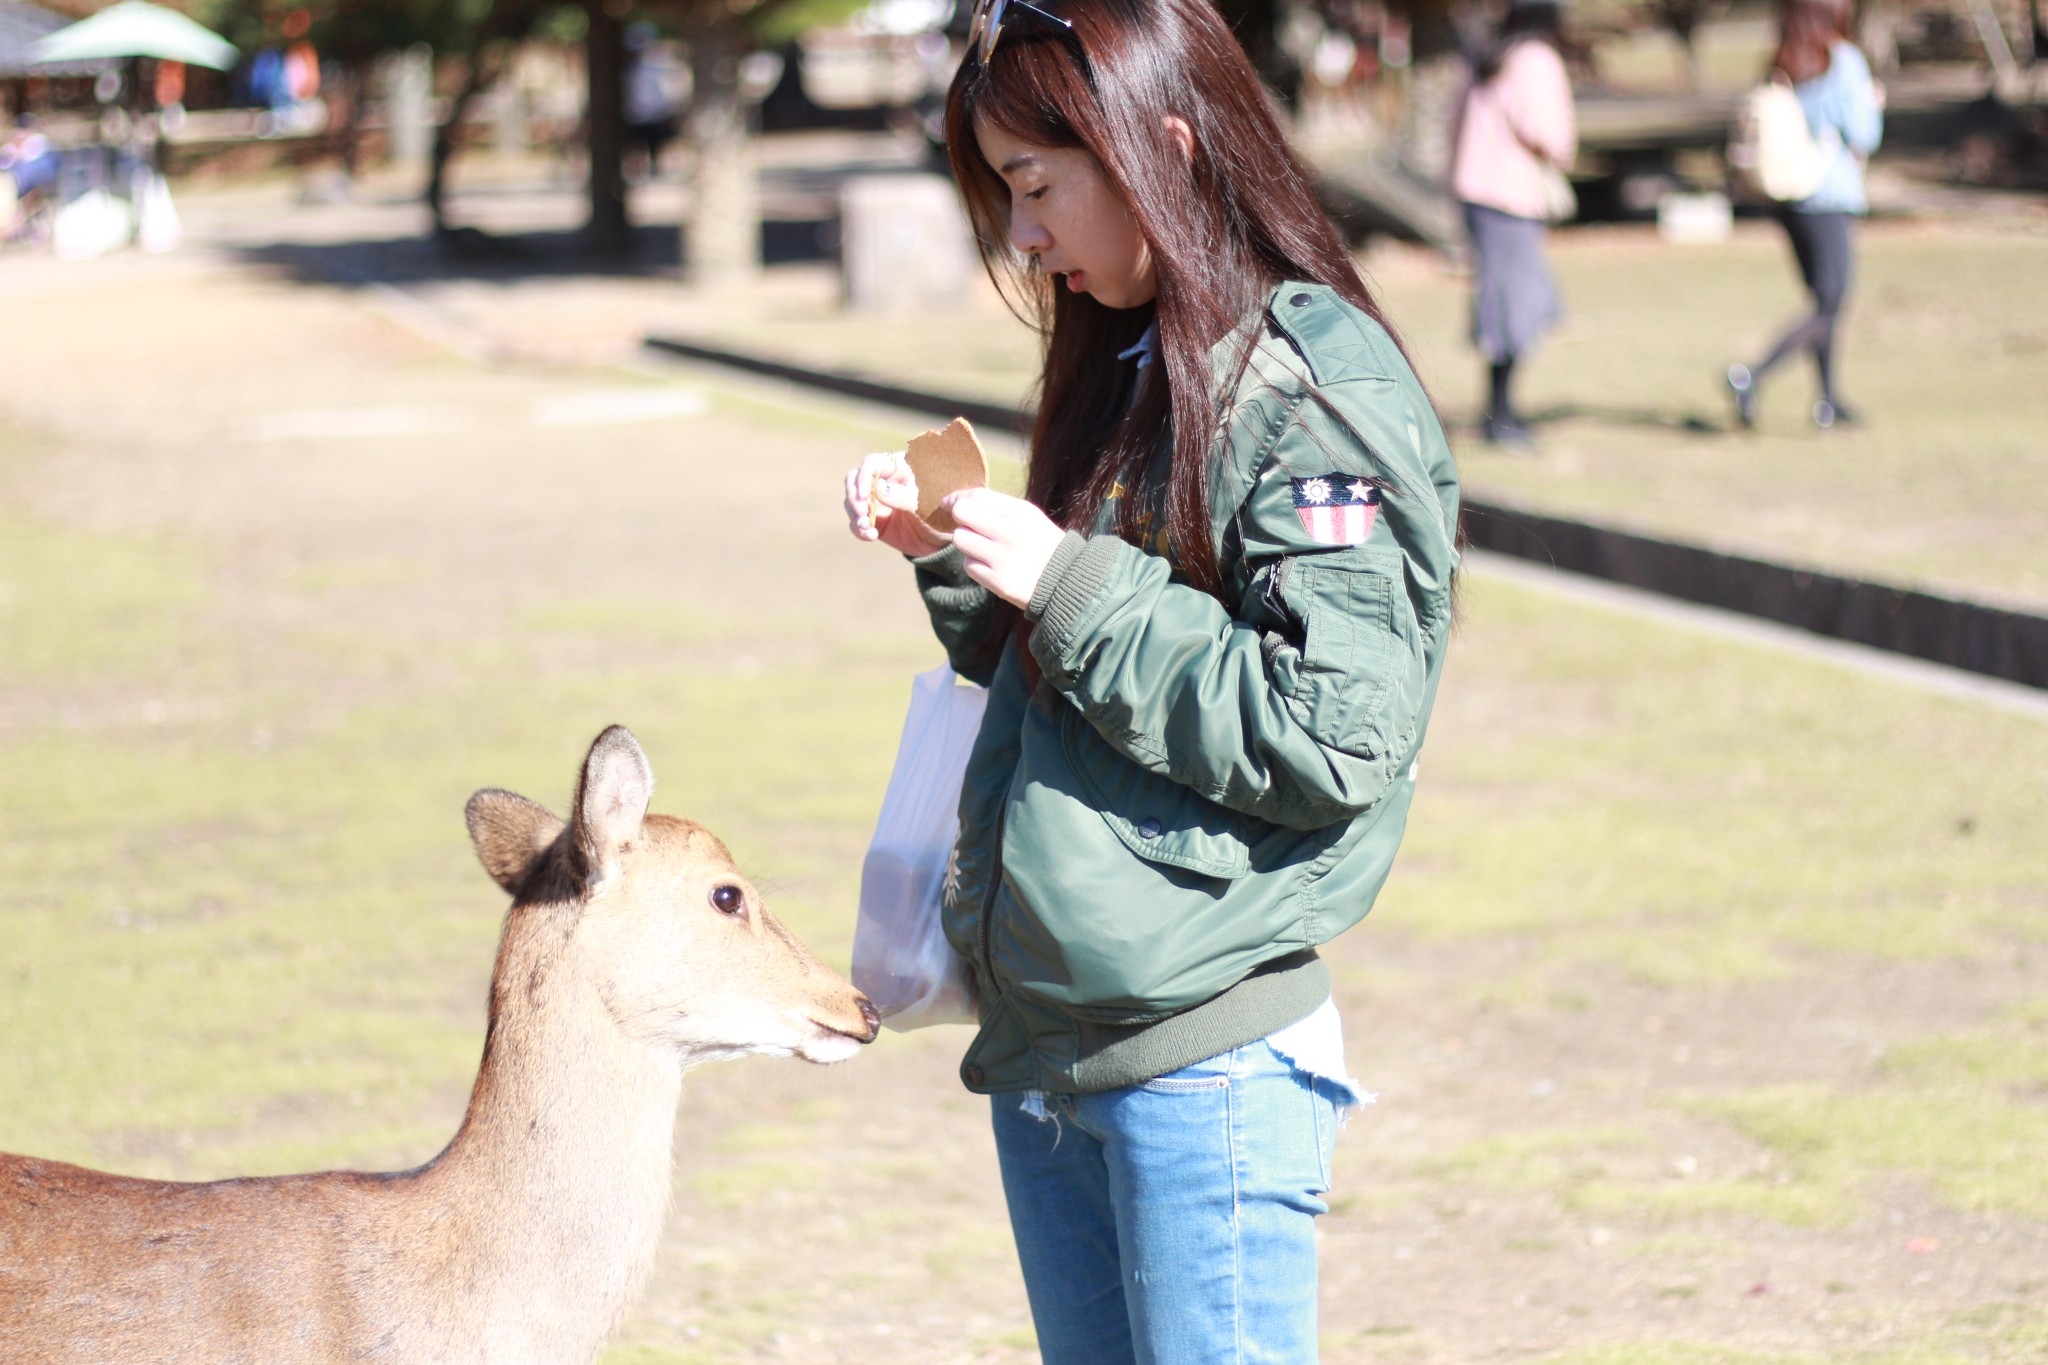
(1540, 21)
(1808, 29)
(1223, 230)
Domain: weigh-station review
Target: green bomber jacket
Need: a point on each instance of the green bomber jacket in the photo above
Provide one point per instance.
(1158, 833)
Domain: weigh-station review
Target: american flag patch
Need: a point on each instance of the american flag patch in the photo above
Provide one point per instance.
(1337, 509)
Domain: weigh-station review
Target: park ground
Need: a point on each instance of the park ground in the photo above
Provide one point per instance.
(1705, 1009)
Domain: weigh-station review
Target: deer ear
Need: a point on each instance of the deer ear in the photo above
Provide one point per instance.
(611, 800)
(509, 833)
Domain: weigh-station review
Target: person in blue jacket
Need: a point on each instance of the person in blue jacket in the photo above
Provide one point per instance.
(1845, 112)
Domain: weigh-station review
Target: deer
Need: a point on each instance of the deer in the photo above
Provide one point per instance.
(634, 949)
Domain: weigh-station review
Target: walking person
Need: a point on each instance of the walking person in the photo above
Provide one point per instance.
(1844, 110)
(30, 162)
(1515, 136)
(1211, 632)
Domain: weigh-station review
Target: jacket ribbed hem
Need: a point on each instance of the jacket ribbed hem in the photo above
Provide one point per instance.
(1072, 580)
(1278, 993)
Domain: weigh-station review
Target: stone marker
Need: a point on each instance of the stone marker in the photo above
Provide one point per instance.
(904, 244)
(409, 106)
(1695, 219)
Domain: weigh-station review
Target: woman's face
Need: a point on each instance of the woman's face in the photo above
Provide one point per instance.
(1067, 213)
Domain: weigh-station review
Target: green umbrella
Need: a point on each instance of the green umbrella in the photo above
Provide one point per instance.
(20, 26)
(136, 28)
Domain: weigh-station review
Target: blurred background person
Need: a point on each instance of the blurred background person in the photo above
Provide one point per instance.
(652, 104)
(29, 161)
(1844, 110)
(1516, 132)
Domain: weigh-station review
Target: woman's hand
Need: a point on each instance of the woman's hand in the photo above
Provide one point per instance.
(1007, 541)
(881, 504)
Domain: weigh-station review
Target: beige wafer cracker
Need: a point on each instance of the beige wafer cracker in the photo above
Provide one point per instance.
(945, 461)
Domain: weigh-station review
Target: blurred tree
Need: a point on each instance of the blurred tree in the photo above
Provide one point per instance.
(1437, 67)
(353, 34)
(608, 232)
(1257, 26)
(350, 33)
(482, 37)
(722, 223)
(1682, 20)
(474, 41)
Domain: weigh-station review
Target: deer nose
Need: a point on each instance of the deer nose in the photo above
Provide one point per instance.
(874, 1020)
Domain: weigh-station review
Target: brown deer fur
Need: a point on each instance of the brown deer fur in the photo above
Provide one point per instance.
(633, 950)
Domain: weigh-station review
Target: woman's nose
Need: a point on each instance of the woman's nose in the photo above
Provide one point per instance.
(1028, 235)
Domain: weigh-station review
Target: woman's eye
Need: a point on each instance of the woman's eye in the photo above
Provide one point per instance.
(728, 900)
(1038, 193)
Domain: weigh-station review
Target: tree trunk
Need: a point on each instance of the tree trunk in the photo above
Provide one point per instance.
(352, 128)
(608, 232)
(1877, 33)
(722, 229)
(1257, 26)
(1436, 77)
(1688, 38)
(481, 73)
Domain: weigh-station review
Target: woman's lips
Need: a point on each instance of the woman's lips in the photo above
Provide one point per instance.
(1075, 280)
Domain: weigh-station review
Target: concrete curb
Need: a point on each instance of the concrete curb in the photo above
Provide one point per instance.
(1997, 642)
(993, 415)
(1993, 641)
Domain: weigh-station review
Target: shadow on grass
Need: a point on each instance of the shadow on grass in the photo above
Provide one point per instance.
(653, 251)
(1686, 423)
(1640, 419)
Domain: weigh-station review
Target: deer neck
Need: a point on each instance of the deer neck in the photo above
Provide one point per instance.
(556, 1188)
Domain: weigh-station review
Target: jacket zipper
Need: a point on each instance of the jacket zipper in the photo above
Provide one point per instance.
(1276, 587)
(988, 903)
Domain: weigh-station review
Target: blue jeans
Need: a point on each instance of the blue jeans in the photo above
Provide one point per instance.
(1173, 1223)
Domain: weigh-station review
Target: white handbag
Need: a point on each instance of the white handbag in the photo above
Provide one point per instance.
(1560, 202)
(901, 959)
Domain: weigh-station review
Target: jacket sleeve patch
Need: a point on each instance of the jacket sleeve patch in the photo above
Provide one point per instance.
(1337, 509)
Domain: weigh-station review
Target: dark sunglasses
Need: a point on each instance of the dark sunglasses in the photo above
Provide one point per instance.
(989, 16)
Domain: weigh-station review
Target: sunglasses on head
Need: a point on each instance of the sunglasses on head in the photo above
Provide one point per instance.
(989, 17)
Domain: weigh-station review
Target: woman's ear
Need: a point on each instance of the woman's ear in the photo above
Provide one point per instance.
(1177, 128)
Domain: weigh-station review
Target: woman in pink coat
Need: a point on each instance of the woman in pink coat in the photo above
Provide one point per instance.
(1516, 128)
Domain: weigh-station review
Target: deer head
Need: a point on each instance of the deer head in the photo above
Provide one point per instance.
(677, 943)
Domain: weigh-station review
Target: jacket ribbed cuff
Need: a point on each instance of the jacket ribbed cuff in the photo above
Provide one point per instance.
(1072, 579)
(943, 582)
(943, 567)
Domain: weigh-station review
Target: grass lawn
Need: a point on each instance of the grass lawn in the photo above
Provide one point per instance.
(1705, 1007)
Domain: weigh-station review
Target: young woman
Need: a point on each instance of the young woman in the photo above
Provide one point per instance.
(1516, 129)
(1211, 633)
(1845, 113)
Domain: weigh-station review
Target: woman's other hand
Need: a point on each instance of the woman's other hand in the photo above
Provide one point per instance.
(881, 504)
(1007, 541)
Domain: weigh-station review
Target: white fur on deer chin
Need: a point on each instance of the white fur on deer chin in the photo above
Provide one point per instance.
(827, 1045)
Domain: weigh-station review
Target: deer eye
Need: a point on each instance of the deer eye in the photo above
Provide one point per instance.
(728, 899)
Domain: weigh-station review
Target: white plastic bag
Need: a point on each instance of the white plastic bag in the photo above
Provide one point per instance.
(901, 959)
(157, 227)
(91, 225)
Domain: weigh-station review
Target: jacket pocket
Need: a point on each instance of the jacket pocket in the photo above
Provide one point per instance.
(1160, 820)
(1361, 655)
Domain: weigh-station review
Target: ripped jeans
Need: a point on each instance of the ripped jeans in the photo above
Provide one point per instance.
(1173, 1223)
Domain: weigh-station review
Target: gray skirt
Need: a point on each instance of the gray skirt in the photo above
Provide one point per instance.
(1514, 299)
